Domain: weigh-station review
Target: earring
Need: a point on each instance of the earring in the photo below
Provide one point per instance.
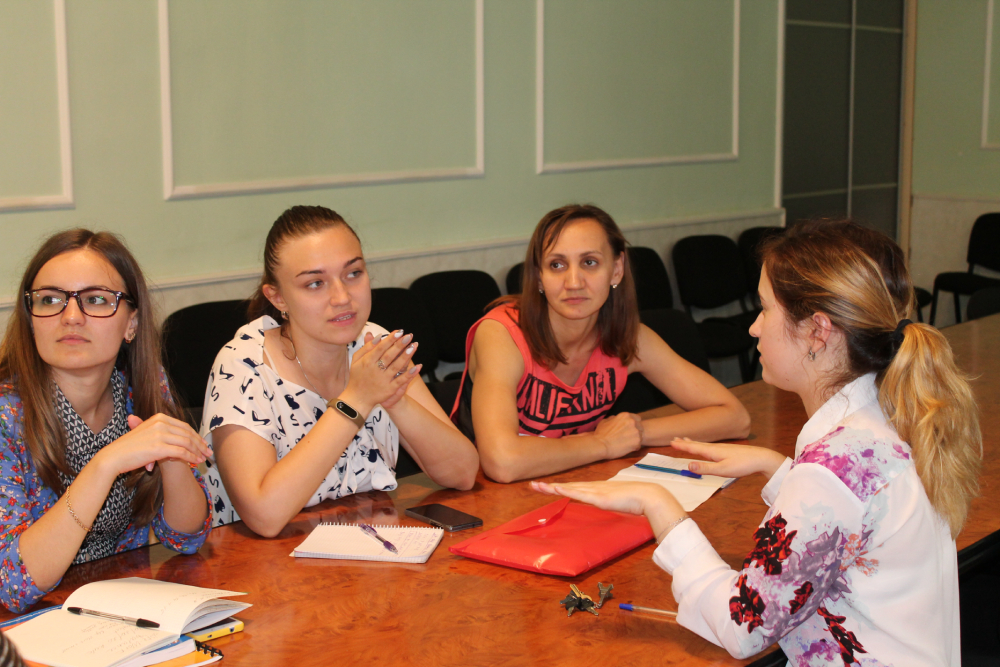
(541, 291)
(812, 356)
(284, 315)
(129, 337)
(615, 286)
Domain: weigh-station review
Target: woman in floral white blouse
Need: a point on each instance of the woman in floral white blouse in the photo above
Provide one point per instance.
(855, 561)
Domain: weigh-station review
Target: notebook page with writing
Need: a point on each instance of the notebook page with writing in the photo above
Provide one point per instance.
(62, 639)
(343, 541)
(176, 607)
(689, 492)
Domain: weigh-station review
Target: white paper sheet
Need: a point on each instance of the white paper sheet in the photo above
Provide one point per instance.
(690, 493)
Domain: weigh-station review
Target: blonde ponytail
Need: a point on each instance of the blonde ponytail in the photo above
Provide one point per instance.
(931, 405)
(858, 277)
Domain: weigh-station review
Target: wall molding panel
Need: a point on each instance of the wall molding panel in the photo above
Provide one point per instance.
(987, 73)
(65, 198)
(174, 191)
(544, 167)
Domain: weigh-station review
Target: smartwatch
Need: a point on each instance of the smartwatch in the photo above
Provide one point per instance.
(347, 411)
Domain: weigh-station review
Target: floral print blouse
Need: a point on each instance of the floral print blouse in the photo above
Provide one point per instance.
(852, 564)
(24, 499)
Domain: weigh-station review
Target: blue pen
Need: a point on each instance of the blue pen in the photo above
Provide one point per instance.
(683, 473)
(371, 532)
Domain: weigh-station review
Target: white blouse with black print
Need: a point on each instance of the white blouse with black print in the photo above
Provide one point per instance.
(244, 391)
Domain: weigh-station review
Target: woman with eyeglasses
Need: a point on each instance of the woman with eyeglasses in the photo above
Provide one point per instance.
(93, 457)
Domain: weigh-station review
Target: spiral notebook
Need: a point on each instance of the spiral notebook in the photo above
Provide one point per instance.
(345, 541)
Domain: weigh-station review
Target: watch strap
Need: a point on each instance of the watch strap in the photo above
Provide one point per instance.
(348, 411)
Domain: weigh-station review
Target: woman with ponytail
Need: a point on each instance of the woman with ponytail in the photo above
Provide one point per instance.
(855, 561)
(93, 457)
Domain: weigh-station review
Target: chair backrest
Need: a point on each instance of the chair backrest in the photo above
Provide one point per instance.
(749, 244)
(984, 242)
(398, 308)
(983, 302)
(679, 331)
(455, 300)
(514, 278)
(192, 337)
(709, 271)
(652, 284)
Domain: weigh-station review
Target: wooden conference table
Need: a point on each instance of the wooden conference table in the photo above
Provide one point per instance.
(454, 611)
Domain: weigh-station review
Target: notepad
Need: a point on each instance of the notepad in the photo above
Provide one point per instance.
(63, 639)
(689, 492)
(343, 541)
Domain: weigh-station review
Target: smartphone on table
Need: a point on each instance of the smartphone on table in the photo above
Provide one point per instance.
(444, 517)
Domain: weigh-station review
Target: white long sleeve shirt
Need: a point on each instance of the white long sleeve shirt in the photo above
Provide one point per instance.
(852, 564)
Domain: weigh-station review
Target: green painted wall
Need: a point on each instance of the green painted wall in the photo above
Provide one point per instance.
(265, 90)
(948, 155)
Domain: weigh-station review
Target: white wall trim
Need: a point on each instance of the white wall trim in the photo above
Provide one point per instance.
(543, 167)
(65, 198)
(960, 198)
(779, 109)
(172, 191)
(984, 142)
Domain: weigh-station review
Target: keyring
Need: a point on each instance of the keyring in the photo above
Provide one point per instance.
(380, 364)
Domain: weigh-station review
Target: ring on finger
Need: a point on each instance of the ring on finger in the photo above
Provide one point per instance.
(397, 375)
(380, 364)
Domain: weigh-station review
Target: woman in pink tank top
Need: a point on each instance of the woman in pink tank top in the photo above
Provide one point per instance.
(550, 362)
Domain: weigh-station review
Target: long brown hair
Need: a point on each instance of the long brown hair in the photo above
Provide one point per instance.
(859, 279)
(24, 371)
(293, 223)
(618, 318)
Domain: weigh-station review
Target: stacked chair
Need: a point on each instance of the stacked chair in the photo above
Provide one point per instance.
(984, 251)
(710, 274)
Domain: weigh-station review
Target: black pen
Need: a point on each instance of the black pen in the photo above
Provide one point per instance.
(137, 622)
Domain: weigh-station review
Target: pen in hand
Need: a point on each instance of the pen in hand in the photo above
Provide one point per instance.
(371, 533)
(137, 622)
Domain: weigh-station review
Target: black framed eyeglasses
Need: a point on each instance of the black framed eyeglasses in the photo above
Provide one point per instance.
(93, 301)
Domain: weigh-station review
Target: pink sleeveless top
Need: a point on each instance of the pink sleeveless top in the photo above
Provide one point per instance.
(546, 405)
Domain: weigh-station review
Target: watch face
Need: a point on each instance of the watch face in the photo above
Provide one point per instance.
(347, 410)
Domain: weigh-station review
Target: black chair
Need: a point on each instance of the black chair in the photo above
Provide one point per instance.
(923, 298)
(983, 303)
(455, 300)
(192, 337)
(398, 308)
(652, 284)
(984, 250)
(681, 333)
(709, 275)
(749, 243)
(514, 278)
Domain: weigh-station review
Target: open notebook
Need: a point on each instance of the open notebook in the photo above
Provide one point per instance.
(343, 541)
(689, 492)
(60, 638)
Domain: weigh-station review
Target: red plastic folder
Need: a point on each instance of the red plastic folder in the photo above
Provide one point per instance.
(561, 538)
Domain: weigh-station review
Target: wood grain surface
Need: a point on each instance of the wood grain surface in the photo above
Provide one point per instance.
(455, 611)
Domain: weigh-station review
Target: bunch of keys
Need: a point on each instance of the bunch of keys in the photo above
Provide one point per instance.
(580, 600)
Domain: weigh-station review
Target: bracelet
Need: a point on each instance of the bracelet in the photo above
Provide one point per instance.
(674, 524)
(73, 514)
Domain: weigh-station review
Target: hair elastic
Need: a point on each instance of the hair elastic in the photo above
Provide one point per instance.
(897, 336)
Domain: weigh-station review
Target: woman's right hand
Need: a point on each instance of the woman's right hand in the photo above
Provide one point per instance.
(156, 439)
(621, 434)
(370, 384)
(726, 460)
